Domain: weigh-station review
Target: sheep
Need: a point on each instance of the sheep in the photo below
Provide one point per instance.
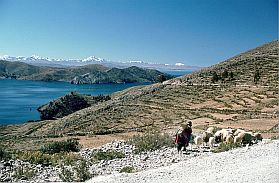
(226, 132)
(229, 139)
(237, 139)
(257, 137)
(198, 140)
(210, 130)
(206, 135)
(238, 131)
(211, 142)
(244, 138)
(230, 130)
(247, 139)
(241, 135)
(218, 136)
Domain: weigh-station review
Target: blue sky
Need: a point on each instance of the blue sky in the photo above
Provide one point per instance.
(194, 32)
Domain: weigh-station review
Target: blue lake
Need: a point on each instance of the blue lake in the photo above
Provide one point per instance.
(19, 99)
(177, 73)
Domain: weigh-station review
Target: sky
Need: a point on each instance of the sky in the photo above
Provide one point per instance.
(193, 32)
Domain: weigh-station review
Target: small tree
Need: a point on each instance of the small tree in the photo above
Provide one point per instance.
(225, 74)
(215, 77)
(162, 78)
(231, 75)
(256, 76)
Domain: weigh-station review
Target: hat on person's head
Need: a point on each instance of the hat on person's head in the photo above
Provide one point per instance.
(189, 123)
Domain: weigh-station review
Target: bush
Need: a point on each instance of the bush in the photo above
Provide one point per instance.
(64, 158)
(215, 77)
(4, 155)
(151, 140)
(61, 146)
(38, 157)
(78, 173)
(127, 169)
(82, 172)
(34, 157)
(24, 173)
(107, 155)
(66, 175)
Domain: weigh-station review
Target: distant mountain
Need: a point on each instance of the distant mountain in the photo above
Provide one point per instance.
(94, 73)
(41, 61)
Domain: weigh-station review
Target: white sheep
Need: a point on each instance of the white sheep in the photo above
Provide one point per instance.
(205, 136)
(226, 132)
(218, 136)
(244, 138)
(237, 139)
(229, 139)
(211, 142)
(230, 130)
(198, 140)
(241, 135)
(210, 130)
(238, 131)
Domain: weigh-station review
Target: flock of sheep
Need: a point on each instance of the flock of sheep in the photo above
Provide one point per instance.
(228, 136)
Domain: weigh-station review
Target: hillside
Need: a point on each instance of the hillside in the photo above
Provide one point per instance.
(240, 101)
(19, 69)
(93, 73)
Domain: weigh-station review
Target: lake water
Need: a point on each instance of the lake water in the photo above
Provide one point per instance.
(177, 72)
(19, 99)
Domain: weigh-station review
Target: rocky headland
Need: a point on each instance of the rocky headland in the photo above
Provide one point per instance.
(68, 104)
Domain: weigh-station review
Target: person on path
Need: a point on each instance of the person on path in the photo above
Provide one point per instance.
(183, 138)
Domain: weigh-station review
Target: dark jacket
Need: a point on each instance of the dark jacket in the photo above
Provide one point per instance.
(185, 136)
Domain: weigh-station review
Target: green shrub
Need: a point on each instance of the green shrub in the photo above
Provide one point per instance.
(127, 169)
(38, 157)
(151, 140)
(82, 172)
(4, 155)
(24, 172)
(79, 172)
(65, 158)
(226, 147)
(107, 155)
(66, 175)
(61, 146)
(34, 157)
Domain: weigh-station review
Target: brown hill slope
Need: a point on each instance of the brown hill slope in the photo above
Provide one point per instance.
(238, 101)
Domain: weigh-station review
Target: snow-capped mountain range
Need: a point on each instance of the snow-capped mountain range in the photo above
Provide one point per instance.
(44, 61)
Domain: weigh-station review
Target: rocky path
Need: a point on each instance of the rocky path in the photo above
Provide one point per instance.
(257, 164)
